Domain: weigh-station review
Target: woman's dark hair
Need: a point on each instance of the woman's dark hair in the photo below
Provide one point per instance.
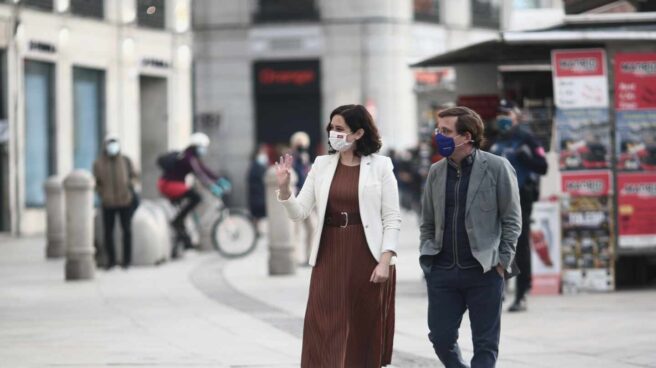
(467, 121)
(357, 117)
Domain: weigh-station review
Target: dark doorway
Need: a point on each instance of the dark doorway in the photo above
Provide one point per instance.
(154, 131)
(288, 99)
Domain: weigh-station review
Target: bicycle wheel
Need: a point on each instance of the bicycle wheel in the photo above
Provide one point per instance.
(234, 234)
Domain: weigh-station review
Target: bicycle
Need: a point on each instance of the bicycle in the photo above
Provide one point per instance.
(233, 232)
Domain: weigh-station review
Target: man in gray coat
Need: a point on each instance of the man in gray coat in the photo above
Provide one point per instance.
(471, 219)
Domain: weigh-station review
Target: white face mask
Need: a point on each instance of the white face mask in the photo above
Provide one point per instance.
(262, 159)
(338, 141)
(113, 148)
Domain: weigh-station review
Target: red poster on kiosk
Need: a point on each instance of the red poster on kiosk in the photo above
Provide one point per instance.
(635, 101)
(587, 251)
(580, 78)
(586, 183)
(636, 209)
(635, 81)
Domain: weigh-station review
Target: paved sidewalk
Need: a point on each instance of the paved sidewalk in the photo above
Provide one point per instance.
(585, 330)
(134, 318)
(204, 311)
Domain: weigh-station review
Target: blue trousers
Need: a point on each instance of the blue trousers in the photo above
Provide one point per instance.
(450, 293)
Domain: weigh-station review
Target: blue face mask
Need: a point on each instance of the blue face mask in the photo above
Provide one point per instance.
(504, 124)
(446, 145)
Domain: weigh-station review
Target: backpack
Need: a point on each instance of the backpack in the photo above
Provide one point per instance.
(167, 161)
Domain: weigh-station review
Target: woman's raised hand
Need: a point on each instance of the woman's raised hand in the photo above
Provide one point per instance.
(283, 174)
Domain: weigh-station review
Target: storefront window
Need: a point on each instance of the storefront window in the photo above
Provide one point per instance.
(88, 110)
(427, 10)
(88, 8)
(486, 13)
(39, 130)
(40, 4)
(151, 13)
(286, 10)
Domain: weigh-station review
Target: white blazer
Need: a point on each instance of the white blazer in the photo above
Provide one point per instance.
(378, 196)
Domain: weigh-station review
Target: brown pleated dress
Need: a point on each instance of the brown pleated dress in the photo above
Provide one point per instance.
(349, 321)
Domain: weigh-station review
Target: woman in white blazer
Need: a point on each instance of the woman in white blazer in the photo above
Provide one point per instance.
(349, 319)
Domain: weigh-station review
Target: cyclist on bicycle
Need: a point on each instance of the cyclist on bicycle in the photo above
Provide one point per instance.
(172, 184)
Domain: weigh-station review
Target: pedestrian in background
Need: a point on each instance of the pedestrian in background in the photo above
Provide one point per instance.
(349, 320)
(471, 219)
(517, 143)
(256, 186)
(300, 145)
(115, 180)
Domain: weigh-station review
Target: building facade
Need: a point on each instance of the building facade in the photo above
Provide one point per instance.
(76, 70)
(265, 69)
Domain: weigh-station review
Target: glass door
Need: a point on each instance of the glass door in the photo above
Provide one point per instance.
(88, 115)
(39, 130)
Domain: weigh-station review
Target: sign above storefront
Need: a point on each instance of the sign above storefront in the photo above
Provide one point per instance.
(286, 76)
(269, 76)
(41, 46)
(155, 63)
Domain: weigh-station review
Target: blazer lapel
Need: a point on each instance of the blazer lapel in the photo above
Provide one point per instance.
(327, 179)
(477, 175)
(365, 168)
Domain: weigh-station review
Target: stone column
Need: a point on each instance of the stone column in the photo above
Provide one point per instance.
(80, 264)
(55, 218)
(282, 249)
(207, 212)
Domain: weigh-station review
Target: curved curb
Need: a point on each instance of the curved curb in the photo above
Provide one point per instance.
(209, 278)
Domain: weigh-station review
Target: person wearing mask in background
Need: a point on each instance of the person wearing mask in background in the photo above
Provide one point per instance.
(256, 185)
(470, 223)
(115, 180)
(172, 184)
(349, 320)
(516, 142)
(300, 144)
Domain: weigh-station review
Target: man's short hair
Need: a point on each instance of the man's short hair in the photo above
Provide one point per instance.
(467, 121)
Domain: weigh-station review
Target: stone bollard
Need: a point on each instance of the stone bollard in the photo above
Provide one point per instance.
(150, 235)
(55, 218)
(282, 249)
(80, 263)
(208, 214)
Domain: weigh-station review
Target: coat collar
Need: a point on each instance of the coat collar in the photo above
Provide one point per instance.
(365, 168)
(330, 173)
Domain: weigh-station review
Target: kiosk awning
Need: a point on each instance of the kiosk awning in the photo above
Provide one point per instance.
(535, 46)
